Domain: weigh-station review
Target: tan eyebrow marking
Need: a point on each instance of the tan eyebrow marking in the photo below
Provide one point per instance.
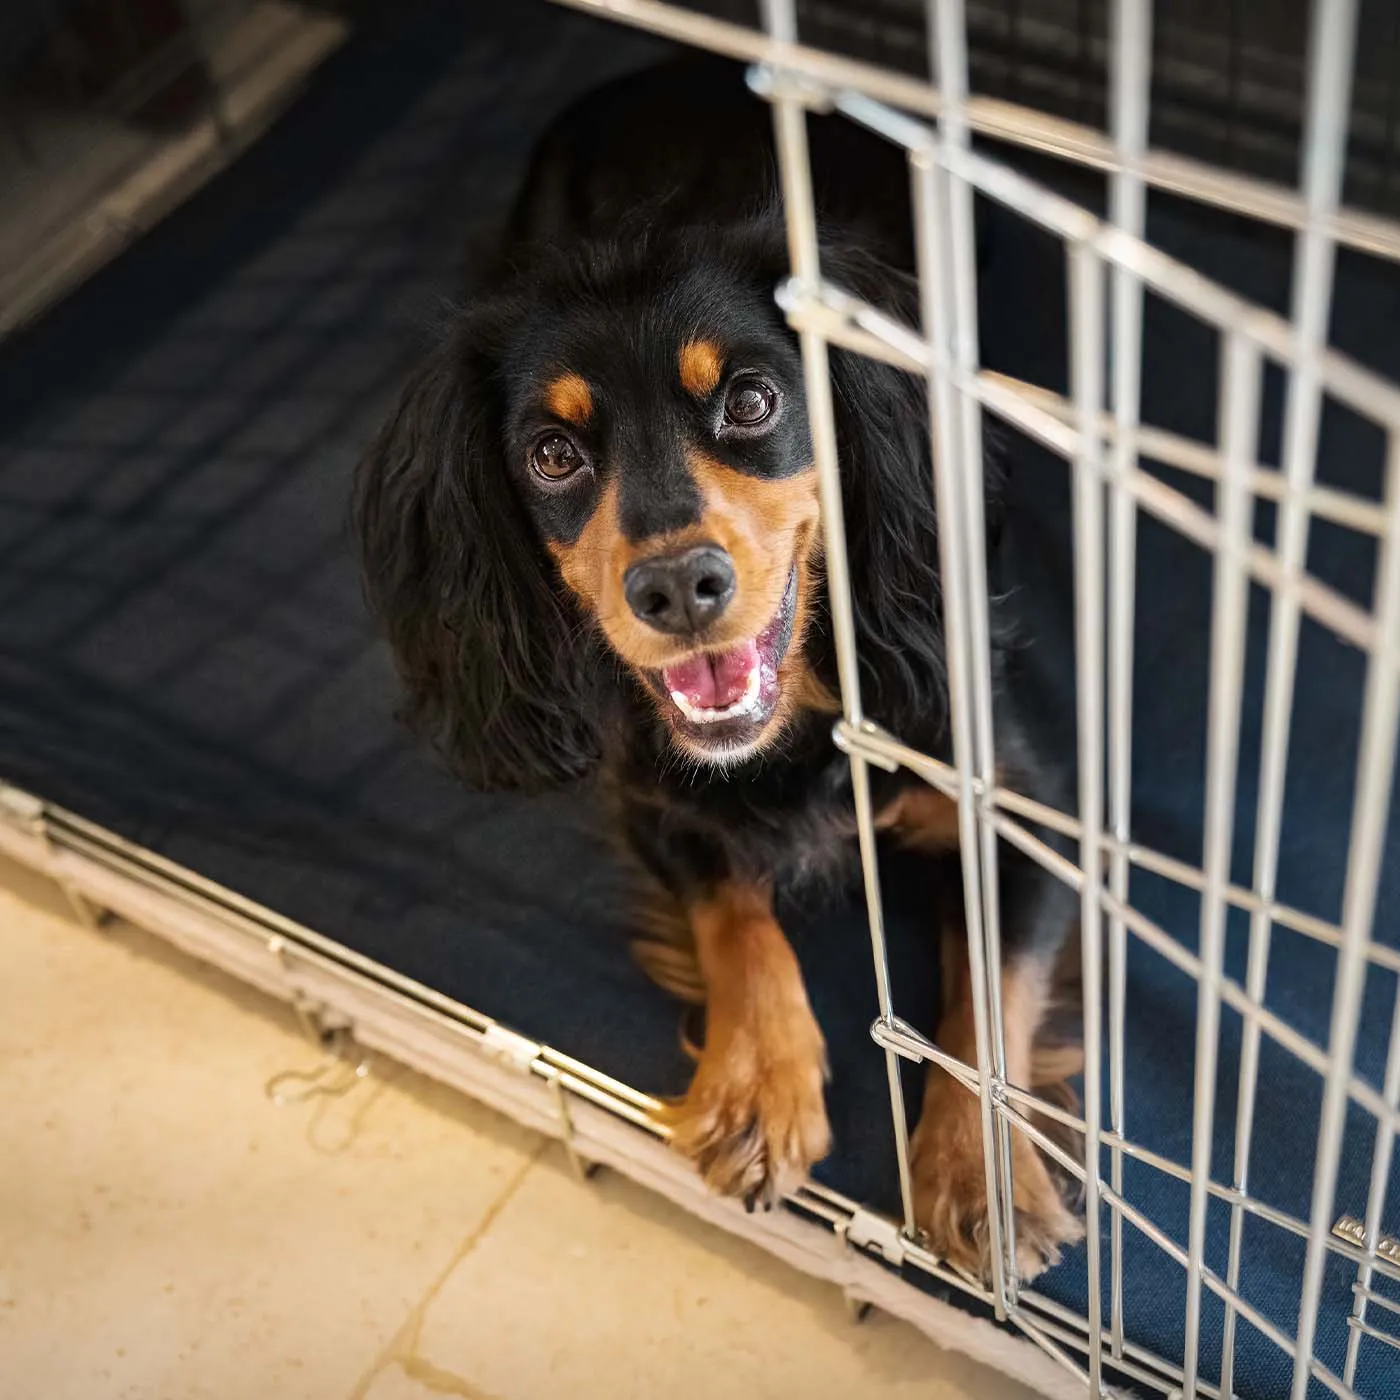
(701, 363)
(569, 397)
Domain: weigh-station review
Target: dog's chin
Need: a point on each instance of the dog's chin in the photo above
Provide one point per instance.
(721, 706)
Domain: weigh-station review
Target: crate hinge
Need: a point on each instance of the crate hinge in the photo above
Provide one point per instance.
(510, 1048)
(873, 1234)
(525, 1056)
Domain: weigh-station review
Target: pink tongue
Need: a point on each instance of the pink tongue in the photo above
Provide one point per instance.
(714, 682)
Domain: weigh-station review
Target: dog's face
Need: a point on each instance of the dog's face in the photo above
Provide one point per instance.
(618, 432)
(658, 439)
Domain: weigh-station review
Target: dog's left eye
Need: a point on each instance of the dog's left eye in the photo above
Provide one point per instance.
(554, 457)
(748, 403)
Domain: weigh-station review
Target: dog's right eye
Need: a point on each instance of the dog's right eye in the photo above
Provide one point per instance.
(554, 457)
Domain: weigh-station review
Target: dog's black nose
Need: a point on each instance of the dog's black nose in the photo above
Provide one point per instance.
(681, 593)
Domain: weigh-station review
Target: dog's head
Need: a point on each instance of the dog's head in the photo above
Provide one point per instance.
(611, 454)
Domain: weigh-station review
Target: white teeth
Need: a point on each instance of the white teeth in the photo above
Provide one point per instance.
(746, 704)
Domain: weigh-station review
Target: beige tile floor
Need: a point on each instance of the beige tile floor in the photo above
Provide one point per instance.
(168, 1232)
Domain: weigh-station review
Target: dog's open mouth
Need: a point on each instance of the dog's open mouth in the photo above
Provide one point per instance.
(707, 689)
(722, 700)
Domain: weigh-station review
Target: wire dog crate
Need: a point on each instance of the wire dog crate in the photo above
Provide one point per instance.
(1097, 430)
(1285, 118)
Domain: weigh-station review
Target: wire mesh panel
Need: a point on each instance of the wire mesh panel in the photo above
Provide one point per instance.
(1329, 1320)
(1227, 80)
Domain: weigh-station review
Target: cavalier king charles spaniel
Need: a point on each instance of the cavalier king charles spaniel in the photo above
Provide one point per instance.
(591, 531)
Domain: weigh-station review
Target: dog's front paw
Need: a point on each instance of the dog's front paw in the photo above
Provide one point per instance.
(950, 1188)
(754, 1120)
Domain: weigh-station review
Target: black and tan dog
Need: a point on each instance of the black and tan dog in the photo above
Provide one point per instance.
(591, 531)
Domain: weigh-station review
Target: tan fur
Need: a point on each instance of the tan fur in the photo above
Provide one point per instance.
(754, 1119)
(923, 818)
(701, 363)
(808, 693)
(765, 526)
(664, 947)
(588, 564)
(569, 398)
(950, 1192)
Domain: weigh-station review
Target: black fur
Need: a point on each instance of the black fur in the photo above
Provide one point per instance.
(492, 655)
(502, 669)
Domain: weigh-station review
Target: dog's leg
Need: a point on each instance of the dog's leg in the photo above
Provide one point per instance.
(754, 1119)
(950, 1187)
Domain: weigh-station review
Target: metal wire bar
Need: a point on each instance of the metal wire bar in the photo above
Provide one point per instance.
(1161, 1377)
(1363, 1290)
(1370, 394)
(1238, 1000)
(1347, 619)
(949, 230)
(1040, 1335)
(1332, 608)
(1018, 1102)
(1132, 1369)
(905, 1041)
(1382, 1154)
(1009, 122)
(1136, 1362)
(1131, 79)
(1149, 1367)
(1288, 1345)
(1086, 348)
(1189, 963)
(883, 749)
(1232, 1197)
(790, 135)
(909, 1044)
(1239, 408)
(846, 321)
(1375, 768)
(780, 20)
(945, 424)
(1199, 459)
(1325, 142)
(1361, 1329)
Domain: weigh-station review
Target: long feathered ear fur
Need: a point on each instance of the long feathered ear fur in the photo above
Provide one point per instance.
(891, 524)
(488, 650)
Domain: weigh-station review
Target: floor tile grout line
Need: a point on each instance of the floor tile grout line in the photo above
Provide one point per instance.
(402, 1347)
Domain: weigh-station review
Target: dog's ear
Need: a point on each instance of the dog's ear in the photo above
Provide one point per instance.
(891, 526)
(489, 654)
